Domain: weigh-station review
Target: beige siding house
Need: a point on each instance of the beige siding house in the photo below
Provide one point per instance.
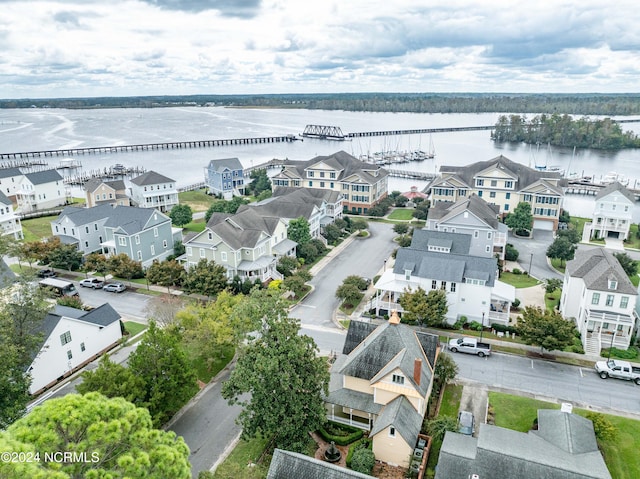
(381, 383)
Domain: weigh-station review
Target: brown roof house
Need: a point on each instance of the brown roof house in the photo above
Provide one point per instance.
(381, 383)
(563, 447)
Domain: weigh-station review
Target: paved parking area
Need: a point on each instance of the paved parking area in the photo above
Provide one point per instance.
(475, 398)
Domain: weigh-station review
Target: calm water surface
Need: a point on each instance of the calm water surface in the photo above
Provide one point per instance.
(47, 129)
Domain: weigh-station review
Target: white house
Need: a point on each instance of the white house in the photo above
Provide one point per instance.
(10, 179)
(40, 190)
(153, 190)
(72, 338)
(9, 221)
(439, 260)
(612, 215)
(475, 217)
(598, 295)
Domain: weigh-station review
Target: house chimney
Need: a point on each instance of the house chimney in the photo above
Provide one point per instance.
(417, 369)
(394, 319)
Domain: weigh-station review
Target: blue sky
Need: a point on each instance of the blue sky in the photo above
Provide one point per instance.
(76, 48)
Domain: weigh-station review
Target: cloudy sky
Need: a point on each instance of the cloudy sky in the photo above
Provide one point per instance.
(66, 48)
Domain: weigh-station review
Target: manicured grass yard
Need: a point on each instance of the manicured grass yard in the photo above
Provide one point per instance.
(199, 200)
(37, 228)
(196, 226)
(246, 452)
(134, 328)
(620, 452)
(558, 264)
(206, 372)
(518, 280)
(401, 214)
(451, 400)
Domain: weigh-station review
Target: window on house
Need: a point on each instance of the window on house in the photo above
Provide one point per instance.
(69, 354)
(65, 338)
(609, 300)
(223, 256)
(122, 241)
(189, 251)
(164, 244)
(507, 196)
(397, 378)
(506, 207)
(86, 244)
(392, 431)
(155, 232)
(613, 284)
(443, 285)
(95, 226)
(139, 255)
(153, 250)
(494, 183)
(488, 234)
(202, 253)
(595, 298)
(137, 239)
(479, 182)
(624, 301)
(86, 229)
(476, 233)
(480, 193)
(82, 348)
(487, 249)
(453, 287)
(434, 284)
(407, 274)
(508, 184)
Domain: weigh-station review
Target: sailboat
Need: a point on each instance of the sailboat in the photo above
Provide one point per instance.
(432, 151)
(546, 166)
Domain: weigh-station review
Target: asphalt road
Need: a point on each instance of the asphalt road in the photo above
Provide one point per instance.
(533, 254)
(551, 381)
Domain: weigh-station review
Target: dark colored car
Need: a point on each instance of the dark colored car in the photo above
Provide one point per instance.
(46, 273)
(466, 423)
(114, 287)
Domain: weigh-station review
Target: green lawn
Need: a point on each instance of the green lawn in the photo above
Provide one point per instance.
(199, 200)
(620, 452)
(553, 299)
(245, 453)
(518, 280)
(37, 228)
(451, 400)
(134, 328)
(404, 214)
(206, 372)
(558, 264)
(578, 223)
(196, 226)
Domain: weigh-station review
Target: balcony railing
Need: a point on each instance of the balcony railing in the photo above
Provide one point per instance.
(604, 317)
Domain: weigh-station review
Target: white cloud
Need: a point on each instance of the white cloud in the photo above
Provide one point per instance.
(135, 47)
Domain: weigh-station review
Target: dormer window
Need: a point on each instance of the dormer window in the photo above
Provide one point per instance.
(407, 274)
(397, 379)
(613, 284)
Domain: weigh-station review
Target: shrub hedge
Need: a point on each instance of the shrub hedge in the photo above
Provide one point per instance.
(340, 439)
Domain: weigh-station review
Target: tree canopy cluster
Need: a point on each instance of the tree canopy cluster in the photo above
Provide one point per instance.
(563, 130)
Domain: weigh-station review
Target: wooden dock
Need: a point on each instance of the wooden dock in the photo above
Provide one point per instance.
(111, 173)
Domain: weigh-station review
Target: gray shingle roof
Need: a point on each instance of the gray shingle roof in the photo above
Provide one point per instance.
(131, 219)
(446, 210)
(4, 200)
(291, 465)
(9, 172)
(354, 399)
(616, 186)
(44, 176)
(400, 414)
(93, 184)
(460, 243)
(151, 178)
(83, 216)
(596, 267)
(283, 207)
(222, 164)
(562, 448)
(526, 176)
(238, 231)
(383, 345)
(309, 194)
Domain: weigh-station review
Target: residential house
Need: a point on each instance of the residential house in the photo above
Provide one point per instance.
(9, 221)
(153, 190)
(598, 295)
(10, 179)
(40, 190)
(99, 192)
(143, 234)
(72, 338)
(361, 184)
(225, 177)
(442, 260)
(382, 383)
(563, 447)
(475, 217)
(248, 244)
(612, 215)
(292, 465)
(293, 203)
(505, 183)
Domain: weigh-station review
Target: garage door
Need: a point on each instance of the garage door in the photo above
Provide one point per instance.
(543, 225)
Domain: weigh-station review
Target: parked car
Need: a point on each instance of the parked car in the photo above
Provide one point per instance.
(470, 346)
(94, 283)
(114, 287)
(614, 368)
(466, 423)
(46, 273)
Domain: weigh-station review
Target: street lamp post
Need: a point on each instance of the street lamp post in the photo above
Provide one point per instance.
(482, 329)
(611, 346)
(530, 263)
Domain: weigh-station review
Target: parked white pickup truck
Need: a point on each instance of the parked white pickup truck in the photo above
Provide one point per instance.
(614, 368)
(470, 346)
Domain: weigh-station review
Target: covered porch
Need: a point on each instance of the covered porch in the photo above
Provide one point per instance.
(607, 330)
(263, 268)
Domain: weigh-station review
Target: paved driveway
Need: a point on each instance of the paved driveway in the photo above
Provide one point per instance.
(533, 254)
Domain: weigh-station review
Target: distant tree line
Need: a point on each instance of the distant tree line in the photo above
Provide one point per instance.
(563, 130)
(571, 104)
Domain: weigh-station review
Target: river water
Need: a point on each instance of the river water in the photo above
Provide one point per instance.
(49, 129)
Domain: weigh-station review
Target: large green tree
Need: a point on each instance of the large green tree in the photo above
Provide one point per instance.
(181, 215)
(286, 381)
(118, 439)
(544, 328)
(14, 386)
(299, 231)
(166, 370)
(206, 277)
(166, 273)
(629, 265)
(562, 249)
(521, 218)
(415, 305)
(113, 380)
